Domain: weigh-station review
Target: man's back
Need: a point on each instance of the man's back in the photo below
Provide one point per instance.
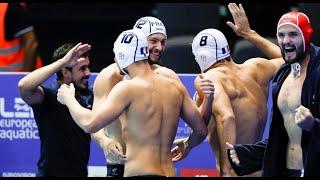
(246, 86)
(151, 124)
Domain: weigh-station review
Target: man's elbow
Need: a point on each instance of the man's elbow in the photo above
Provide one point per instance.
(21, 85)
(90, 127)
(227, 120)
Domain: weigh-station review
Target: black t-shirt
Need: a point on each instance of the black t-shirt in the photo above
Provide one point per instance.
(65, 147)
(17, 21)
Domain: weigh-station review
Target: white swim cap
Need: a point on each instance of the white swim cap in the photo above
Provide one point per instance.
(208, 47)
(131, 46)
(150, 25)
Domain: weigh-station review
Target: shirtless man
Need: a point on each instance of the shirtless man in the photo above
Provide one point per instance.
(110, 138)
(240, 106)
(294, 130)
(150, 102)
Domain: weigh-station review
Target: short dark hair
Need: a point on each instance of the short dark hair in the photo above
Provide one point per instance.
(60, 52)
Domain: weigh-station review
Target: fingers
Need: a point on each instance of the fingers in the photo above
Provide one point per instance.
(76, 46)
(174, 150)
(231, 25)
(303, 110)
(235, 159)
(115, 154)
(235, 10)
(206, 86)
(301, 113)
(229, 146)
(120, 152)
(242, 9)
(233, 154)
(232, 10)
(72, 86)
(177, 157)
(84, 48)
(80, 49)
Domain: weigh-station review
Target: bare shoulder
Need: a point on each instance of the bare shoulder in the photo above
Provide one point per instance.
(213, 74)
(257, 62)
(164, 71)
(106, 79)
(264, 65)
(126, 86)
(265, 62)
(111, 71)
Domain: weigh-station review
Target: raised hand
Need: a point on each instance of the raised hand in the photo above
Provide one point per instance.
(241, 24)
(75, 53)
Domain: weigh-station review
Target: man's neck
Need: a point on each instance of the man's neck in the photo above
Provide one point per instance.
(300, 67)
(221, 63)
(140, 68)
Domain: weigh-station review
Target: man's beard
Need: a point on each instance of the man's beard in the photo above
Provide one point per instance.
(154, 62)
(85, 86)
(300, 55)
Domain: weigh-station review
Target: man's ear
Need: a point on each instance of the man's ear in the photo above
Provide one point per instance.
(66, 73)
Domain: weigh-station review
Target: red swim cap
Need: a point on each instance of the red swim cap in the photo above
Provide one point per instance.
(300, 21)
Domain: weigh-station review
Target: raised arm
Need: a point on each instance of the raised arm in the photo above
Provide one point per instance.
(242, 28)
(29, 86)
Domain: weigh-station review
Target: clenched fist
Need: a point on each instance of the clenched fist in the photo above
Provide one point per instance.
(304, 118)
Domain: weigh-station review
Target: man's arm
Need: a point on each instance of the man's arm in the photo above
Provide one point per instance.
(242, 28)
(102, 86)
(225, 125)
(204, 97)
(107, 112)
(191, 115)
(247, 158)
(29, 86)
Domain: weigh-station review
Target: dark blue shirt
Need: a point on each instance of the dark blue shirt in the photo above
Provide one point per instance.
(65, 147)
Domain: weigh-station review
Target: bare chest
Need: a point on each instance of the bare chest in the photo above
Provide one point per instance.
(290, 94)
(288, 100)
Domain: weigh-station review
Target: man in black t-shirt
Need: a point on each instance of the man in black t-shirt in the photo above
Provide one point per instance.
(65, 147)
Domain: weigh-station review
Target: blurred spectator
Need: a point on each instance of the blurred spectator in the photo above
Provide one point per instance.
(18, 43)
